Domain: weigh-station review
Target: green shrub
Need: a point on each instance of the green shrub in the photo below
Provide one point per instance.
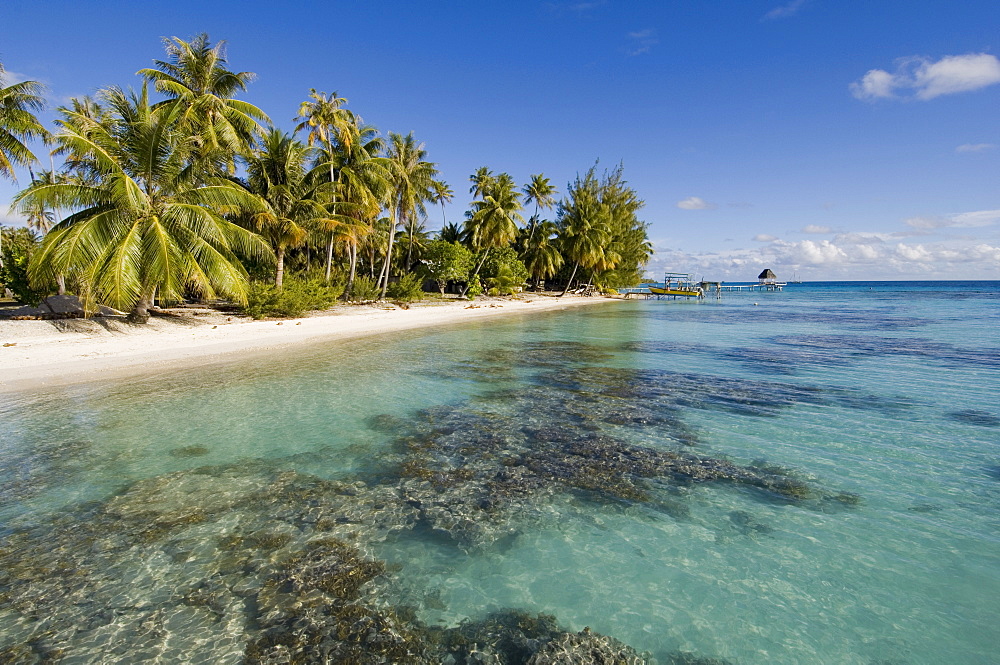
(475, 289)
(447, 262)
(407, 289)
(298, 296)
(506, 281)
(18, 245)
(364, 289)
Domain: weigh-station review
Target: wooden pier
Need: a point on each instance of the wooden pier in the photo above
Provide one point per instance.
(673, 282)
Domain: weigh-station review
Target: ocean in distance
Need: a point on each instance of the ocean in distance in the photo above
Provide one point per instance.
(804, 477)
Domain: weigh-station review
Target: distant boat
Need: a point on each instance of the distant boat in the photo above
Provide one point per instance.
(795, 279)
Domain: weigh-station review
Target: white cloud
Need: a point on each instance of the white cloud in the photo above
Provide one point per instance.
(784, 11)
(924, 79)
(813, 228)
(976, 219)
(975, 147)
(840, 259)
(695, 203)
(819, 253)
(926, 222)
(957, 73)
(764, 237)
(643, 41)
(874, 85)
(913, 253)
(963, 220)
(862, 238)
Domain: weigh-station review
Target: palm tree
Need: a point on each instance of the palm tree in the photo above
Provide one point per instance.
(363, 185)
(492, 221)
(18, 124)
(39, 217)
(543, 193)
(140, 227)
(542, 257)
(442, 194)
(289, 201)
(195, 78)
(481, 181)
(412, 179)
(452, 232)
(583, 225)
(328, 122)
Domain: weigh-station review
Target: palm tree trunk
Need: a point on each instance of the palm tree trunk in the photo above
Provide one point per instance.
(329, 257)
(352, 250)
(384, 276)
(140, 311)
(279, 275)
(575, 267)
(533, 222)
(333, 210)
(475, 274)
(61, 283)
(409, 250)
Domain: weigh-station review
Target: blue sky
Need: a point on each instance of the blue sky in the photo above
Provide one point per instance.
(828, 138)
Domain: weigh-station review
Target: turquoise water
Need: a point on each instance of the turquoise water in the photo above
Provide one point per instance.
(810, 476)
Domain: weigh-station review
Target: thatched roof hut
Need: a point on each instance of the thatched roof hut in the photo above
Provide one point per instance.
(767, 274)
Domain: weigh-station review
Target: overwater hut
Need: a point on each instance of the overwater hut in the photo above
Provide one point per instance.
(767, 277)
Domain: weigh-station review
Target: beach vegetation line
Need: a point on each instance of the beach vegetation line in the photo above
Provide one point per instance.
(178, 190)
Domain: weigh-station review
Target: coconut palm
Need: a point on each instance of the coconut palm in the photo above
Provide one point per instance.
(481, 181)
(290, 202)
(37, 216)
(18, 104)
(542, 257)
(415, 243)
(18, 125)
(452, 232)
(543, 193)
(364, 183)
(492, 221)
(442, 194)
(328, 123)
(326, 119)
(195, 78)
(140, 227)
(583, 232)
(412, 179)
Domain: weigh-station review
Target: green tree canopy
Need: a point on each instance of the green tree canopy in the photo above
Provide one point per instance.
(18, 124)
(195, 78)
(139, 225)
(447, 262)
(289, 201)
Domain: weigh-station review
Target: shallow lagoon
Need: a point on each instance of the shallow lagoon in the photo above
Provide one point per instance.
(810, 479)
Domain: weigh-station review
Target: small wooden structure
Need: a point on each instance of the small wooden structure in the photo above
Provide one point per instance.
(768, 281)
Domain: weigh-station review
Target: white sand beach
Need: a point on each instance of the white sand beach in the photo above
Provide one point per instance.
(36, 354)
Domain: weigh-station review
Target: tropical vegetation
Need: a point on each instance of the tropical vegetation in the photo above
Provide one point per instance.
(178, 190)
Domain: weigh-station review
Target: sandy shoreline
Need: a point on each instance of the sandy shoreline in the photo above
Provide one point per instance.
(38, 354)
